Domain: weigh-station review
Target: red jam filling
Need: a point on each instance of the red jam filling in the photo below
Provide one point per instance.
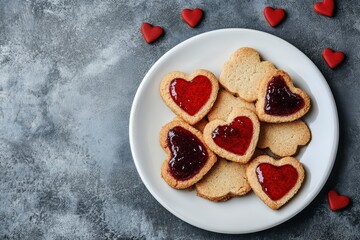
(235, 137)
(192, 95)
(188, 153)
(279, 100)
(275, 181)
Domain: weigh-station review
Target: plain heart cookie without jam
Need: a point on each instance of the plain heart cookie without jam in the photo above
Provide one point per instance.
(188, 158)
(225, 103)
(279, 100)
(190, 96)
(283, 139)
(225, 180)
(242, 74)
(199, 125)
(236, 138)
(275, 182)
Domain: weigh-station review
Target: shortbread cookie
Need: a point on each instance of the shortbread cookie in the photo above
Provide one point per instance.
(236, 138)
(242, 74)
(188, 158)
(225, 180)
(279, 100)
(189, 96)
(283, 139)
(275, 182)
(225, 103)
(199, 125)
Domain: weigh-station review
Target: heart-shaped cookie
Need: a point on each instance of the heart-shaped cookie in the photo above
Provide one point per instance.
(274, 16)
(188, 158)
(337, 201)
(225, 103)
(279, 100)
(225, 180)
(275, 182)
(283, 139)
(150, 32)
(236, 138)
(192, 17)
(325, 8)
(244, 71)
(333, 58)
(190, 96)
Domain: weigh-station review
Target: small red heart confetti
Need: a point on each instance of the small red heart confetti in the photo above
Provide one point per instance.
(325, 8)
(150, 32)
(332, 58)
(274, 16)
(337, 201)
(192, 17)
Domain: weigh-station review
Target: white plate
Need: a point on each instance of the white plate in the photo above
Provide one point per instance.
(210, 51)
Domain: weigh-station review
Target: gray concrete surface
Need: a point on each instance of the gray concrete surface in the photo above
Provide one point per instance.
(68, 73)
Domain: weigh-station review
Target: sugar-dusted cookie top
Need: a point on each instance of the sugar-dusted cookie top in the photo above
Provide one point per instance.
(283, 139)
(225, 103)
(242, 74)
(225, 180)
(279, 100)
(234, 139)
(188, 158)
(190, 96)
(275, 182)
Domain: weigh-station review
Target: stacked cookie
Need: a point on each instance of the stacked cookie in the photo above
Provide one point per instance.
(221, 124)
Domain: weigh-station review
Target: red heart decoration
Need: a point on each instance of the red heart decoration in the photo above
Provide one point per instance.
(337, 201)
(235, 137)
(275, 181)
(192, 17)
(332, 58)
(150, 32)
(192, 95)
(325, 8)
(274, 16)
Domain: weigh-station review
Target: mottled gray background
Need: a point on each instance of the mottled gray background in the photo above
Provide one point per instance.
(69, 71)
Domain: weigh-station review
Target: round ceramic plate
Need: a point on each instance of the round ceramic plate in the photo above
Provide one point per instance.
(210, 51)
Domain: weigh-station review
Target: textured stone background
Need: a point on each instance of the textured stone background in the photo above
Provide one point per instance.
(69, 71)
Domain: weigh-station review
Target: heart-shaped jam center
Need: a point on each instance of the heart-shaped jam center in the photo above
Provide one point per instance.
(235, 137)
(192, 95)
(275, 181)
(188, 153)
(279, 100)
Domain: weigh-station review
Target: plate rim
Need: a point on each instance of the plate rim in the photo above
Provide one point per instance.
(141, 88)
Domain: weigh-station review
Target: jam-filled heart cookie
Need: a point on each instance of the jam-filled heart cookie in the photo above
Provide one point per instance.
(190, 96)
(242, 74)
(279, 100)
(236, 138)
(283, 139)
(189, 159)
(225, 103)
(275, 182)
